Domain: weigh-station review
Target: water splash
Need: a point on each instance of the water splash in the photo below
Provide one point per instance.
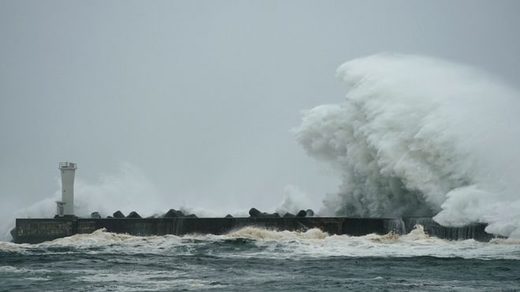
(419, 136)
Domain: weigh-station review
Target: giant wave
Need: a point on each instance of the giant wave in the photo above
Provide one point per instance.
(419, 136)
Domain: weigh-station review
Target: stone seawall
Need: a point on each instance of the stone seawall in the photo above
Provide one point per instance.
(39, 230)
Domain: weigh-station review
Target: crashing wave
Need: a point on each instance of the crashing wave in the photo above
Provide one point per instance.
(418, 136)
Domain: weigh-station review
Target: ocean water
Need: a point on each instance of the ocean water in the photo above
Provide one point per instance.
(414, 136)
(254, 259)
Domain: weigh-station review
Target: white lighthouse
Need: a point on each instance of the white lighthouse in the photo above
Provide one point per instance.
(66, 205)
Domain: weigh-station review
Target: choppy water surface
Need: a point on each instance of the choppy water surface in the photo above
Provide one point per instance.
(260, 260)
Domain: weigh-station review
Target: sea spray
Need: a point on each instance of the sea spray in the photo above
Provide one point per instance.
(294, 200)
(419, 136)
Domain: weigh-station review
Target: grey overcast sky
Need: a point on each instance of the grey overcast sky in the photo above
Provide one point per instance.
(200, 96)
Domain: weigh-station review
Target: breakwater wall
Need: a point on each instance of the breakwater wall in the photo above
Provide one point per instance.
(39, 230)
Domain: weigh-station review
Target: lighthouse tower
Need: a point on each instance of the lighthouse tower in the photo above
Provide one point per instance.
(65, 207)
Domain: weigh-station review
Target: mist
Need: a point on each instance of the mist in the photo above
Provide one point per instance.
(190, 104)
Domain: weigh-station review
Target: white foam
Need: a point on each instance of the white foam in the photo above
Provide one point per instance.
(11, 247)
(281, 244)
(17, 270)
(155, 280)
(273, 235)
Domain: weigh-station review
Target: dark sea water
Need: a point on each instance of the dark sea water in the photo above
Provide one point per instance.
(260, 260)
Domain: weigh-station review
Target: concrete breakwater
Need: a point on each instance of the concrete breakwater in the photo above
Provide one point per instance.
(39, 230)
(175, 222)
